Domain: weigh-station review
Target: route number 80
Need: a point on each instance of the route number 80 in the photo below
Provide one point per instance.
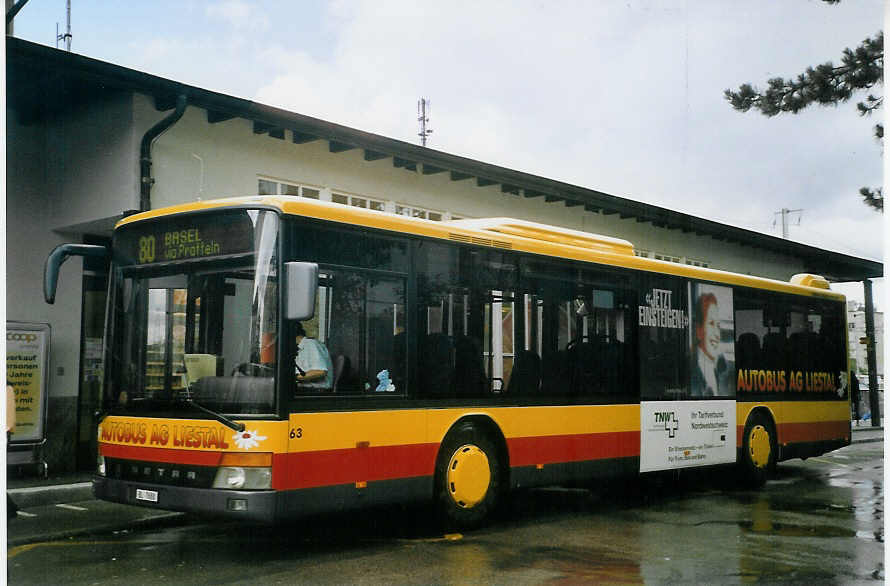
(146, 249)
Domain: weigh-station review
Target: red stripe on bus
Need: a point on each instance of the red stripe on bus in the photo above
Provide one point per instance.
(810, 431)
(530, 451)
(346, 466)
(790, 433)
(168, 456)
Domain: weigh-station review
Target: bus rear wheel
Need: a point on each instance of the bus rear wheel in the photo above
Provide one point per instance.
(758, 450)
(468, 477)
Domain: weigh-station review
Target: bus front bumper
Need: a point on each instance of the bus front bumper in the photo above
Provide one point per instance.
(253, 505)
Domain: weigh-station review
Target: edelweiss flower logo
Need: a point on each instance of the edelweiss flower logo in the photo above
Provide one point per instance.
(247, 439)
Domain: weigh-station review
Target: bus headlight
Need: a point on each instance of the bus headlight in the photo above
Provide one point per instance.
(100, 465)
(237, 478)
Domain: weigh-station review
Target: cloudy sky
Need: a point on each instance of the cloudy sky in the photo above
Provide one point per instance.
(625, 97)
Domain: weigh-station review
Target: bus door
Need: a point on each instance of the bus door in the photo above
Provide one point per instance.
(687, 374)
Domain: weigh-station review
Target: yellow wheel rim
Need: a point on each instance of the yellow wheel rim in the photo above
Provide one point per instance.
(468, 476)
(759, 446)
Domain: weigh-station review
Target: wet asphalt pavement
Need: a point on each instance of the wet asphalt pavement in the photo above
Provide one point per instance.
(819, 521)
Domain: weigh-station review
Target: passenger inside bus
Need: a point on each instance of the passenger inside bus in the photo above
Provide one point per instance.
(313, 362)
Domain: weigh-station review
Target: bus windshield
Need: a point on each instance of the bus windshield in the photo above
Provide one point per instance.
(194, 315)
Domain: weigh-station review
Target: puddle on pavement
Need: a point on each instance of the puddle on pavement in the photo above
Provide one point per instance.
(790, 530)
(769, 503)
(575, 564)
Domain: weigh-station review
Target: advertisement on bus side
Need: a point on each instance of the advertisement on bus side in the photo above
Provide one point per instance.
(683, 434)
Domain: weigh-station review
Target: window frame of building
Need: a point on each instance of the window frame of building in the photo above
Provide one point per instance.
(421, 212)
(359, 201)
(281, 188)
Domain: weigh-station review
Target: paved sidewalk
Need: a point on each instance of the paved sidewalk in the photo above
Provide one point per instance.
(62, 520)
(865, 433)
(63, 506)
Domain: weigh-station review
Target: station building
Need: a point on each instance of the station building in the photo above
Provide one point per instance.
(89, 142)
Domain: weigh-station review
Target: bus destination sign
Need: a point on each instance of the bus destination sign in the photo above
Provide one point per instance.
(177, 245)
(192, 238)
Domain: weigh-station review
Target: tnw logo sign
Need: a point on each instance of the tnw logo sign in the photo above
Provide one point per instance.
(669, 420)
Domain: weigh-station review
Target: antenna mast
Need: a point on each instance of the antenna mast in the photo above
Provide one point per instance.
(785, 212)
(423, 106)
(66, 38)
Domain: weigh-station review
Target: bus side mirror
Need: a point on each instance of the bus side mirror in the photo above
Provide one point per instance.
(57, 257)
(301, 287)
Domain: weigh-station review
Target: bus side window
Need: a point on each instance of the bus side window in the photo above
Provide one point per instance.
(360, 313)
(465, 320)
(360, 320)
(579, 331)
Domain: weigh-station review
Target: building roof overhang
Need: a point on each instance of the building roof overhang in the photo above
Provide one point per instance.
(61, 79)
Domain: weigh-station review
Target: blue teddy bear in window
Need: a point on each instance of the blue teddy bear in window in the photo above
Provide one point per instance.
(385, 385)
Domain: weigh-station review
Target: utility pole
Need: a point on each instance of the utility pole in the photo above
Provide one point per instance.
(423, 106)
(785, 212)
(871, 357)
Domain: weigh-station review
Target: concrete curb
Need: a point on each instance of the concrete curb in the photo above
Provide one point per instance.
(165, 519)
(51, 494)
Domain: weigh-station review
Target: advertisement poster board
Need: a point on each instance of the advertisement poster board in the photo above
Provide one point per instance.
(683, 434)
(27, 371)
(687, 348)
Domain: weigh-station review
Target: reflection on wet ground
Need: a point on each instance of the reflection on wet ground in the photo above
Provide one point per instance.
(786, 530)
(820, 521)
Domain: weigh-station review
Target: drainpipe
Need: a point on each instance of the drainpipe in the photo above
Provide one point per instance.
(145, 179)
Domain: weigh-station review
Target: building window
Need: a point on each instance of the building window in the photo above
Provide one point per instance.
(415, 212)
(668, 258)
(358, 201)
(276, 187)
(267, 187)
(695, 262)
(271, 187)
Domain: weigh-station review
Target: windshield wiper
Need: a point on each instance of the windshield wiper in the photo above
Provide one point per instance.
(239, 427)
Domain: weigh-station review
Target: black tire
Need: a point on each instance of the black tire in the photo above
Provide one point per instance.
(759, 450)
(465, 494)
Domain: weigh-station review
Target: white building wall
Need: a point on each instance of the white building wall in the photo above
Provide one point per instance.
(231, 158)
(30, 202)
(92, 162)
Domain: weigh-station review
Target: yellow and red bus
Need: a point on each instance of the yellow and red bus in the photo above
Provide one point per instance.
(466, 358)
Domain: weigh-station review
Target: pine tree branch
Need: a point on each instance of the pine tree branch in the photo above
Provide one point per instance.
(873, 197)
(862, 68)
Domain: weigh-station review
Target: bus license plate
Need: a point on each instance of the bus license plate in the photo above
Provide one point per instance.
(147, 495)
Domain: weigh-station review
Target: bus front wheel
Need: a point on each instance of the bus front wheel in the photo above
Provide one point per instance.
(758, 450)
(468, 477)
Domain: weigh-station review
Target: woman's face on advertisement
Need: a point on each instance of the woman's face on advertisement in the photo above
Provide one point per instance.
(710, 338)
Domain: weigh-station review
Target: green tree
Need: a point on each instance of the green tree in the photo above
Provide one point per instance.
(861, 69)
